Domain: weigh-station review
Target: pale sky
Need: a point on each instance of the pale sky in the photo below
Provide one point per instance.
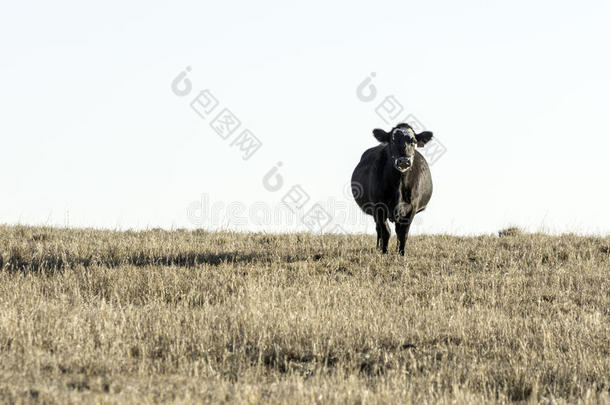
(93, 134)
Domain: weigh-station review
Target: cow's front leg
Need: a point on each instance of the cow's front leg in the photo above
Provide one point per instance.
(402, 231)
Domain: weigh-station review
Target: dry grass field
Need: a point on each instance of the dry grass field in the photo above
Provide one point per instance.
(158, 316)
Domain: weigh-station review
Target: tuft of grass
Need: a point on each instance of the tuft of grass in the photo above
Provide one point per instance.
(159, 316)
(510, 231)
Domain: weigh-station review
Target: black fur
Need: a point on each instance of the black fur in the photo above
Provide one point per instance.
(384, 192)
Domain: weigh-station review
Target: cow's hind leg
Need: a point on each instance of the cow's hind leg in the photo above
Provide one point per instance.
(383, 234)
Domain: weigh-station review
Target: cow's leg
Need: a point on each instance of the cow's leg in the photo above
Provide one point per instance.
(402, 231)
(383, 233)
(402, 228)
(385, 236)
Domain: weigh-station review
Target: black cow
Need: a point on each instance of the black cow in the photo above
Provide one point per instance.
(392, 181)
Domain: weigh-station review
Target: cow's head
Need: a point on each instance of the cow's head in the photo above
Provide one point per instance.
(401, 142)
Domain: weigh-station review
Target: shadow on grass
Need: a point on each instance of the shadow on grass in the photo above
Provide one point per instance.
(52, 262)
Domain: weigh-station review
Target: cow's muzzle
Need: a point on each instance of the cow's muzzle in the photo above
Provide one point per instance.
(402, 164)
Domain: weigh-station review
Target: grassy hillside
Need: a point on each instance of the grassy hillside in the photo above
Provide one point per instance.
(189, 316)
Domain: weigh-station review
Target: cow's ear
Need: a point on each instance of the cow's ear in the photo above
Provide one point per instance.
(381, 135)
(423, 138)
